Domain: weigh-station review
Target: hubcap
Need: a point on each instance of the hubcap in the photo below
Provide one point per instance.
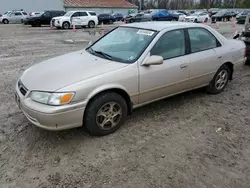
(91, 24)
(109, 115)
(221, 79)
(66, 25)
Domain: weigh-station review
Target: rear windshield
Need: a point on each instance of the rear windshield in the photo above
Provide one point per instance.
(92, 13)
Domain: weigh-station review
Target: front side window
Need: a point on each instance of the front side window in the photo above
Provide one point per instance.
(76, 14)
(170, 45)
(201, 39)
(123, 44)
(47, 14)
(24, 13)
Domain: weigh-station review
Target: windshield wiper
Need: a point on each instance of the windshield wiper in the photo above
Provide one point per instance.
(107, 56)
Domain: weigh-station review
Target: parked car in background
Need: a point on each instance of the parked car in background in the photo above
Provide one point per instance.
(222, 15)
(183, 12)
(44, 18)
(241, 17)
(77, 18)
(117, 16)
(181, 16)
(14, 17)
(138, 17)
(106, 19)
(130, 18)
(165, 15)
(131, 66)
(198, 17)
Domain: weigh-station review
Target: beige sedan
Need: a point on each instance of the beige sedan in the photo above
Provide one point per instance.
(133, 65)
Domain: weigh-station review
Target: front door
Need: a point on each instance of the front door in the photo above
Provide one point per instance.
(171, 77)
(204, 59)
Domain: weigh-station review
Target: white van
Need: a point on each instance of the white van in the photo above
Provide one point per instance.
(77, 18)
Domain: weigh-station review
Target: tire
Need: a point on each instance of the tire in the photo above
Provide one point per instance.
(213, 87)
(195, 21)
(5, 21)
(103, 102)
(132, 21)
(174, 20)
(91, 24)
(110, 21)
(66, 25)
(206, 20)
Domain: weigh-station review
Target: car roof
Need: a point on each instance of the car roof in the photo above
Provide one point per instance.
(161, 25)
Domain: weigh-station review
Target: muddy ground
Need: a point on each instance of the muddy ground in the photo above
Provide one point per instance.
(190, 140)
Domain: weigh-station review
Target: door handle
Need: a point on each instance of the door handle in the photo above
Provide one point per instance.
(219, 57)
(184, 66)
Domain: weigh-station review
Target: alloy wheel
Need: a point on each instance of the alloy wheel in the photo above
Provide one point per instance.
(221, 80)
(109, 116)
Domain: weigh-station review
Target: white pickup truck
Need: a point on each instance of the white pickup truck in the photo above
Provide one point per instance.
(77, 18)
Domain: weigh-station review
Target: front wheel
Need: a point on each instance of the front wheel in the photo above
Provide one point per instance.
(220, 80)
(105, 114)
(66, 25)
(5, 21)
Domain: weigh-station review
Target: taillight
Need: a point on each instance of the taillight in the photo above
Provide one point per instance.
(245, 52)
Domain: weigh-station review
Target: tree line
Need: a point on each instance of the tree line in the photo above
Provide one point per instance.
(190, 4)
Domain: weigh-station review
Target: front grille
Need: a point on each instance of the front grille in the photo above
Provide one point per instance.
(22, 88)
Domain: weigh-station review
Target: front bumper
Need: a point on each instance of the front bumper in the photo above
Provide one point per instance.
(53, 118)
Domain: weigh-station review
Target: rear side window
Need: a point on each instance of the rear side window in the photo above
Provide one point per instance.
(201, 39)
(92, 13)
(83, 14)
(170, 45)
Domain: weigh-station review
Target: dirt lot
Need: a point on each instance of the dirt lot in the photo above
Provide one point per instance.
(191, 140)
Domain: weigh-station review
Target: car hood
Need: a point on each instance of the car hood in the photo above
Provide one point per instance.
(65, 70)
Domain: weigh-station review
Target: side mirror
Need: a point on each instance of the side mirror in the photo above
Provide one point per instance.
(153, 60)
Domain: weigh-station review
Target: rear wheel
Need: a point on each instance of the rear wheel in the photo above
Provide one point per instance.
(195, 21)
(91, 24)
(220, 80)
(110, 21)
(206, 20)
(66, 25)
(105, 114)
(5, 21)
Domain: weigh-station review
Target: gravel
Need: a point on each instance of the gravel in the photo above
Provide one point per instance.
(190, 140)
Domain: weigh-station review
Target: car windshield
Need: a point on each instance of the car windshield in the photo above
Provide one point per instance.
(245, 13)
(68, 14)
(123, 44)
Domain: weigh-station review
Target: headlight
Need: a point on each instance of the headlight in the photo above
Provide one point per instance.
(52, 98)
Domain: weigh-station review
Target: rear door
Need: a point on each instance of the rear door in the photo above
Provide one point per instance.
(204, 59)
(83, 18)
